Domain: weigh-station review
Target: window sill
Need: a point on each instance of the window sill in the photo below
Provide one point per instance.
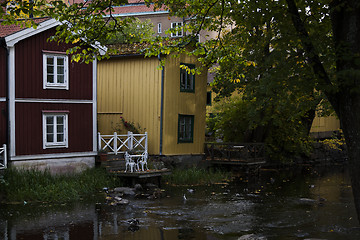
(55, 146)
(57, 87)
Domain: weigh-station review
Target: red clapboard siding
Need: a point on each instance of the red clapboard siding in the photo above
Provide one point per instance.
(2, 123)
(29, 70)
(2, 72)
(3, 91)
(29, 128)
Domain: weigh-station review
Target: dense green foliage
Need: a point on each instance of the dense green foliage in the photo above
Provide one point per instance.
(229, 121)
(196, 176)
(136, 31)
(41, 186)
(233, 121)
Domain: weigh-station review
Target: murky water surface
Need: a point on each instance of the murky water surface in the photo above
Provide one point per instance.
(308, 203)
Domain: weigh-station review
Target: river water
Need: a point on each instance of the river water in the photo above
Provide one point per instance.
(305, 203)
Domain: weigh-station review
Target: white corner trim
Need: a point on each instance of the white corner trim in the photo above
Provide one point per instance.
(11, 86)
(53, 156)
(12, 39)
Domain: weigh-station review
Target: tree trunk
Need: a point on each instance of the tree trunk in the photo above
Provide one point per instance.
(308, 119)
(349, 114)
(345, 20)
(345, 17)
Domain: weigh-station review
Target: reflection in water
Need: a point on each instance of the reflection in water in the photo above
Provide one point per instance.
(297, 204)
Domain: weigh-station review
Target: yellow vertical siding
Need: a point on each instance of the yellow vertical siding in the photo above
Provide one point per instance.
(325, 124)
(130, 87)
(176, 102)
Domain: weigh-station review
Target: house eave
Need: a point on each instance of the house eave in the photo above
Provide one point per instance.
(138, 14)
(14, 38)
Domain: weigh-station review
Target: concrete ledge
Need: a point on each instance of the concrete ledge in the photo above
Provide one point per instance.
(57, 165)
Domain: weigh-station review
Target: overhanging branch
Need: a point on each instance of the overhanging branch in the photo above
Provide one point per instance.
(309, 48)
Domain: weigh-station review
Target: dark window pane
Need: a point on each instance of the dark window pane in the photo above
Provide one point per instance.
(60, 138)
(50, 138)
(50, 61)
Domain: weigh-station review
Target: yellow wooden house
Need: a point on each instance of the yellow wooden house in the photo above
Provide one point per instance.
(169, 103)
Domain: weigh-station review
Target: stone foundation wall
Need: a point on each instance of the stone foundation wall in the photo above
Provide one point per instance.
(57, 165)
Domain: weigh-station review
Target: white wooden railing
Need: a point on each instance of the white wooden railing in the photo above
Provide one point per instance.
(3, 157)
(116, 143)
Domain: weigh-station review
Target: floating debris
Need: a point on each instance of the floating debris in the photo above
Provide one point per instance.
(133, 225)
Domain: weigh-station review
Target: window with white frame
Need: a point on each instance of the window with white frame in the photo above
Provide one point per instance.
(178, 29)
(55, 130)
(55, 67)
(159, 28)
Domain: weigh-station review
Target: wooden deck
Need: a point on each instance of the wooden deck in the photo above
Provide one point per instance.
(237, 162)
(150, 176)
(116, 166)
(245, 155)
(144, 174)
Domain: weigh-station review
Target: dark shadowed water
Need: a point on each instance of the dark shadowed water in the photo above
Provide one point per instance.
(307, 203)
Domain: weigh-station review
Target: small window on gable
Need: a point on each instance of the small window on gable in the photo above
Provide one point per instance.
(178, 27)
(187, 79)
(185, 128)
(159, 28)
(55, 68)
(55, 130)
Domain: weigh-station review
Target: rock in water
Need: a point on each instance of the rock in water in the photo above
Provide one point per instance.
(252, 237)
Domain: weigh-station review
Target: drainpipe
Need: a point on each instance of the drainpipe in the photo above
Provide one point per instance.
(161, 106)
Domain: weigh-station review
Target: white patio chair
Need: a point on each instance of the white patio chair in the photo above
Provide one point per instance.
(129, 162)
(143, 161)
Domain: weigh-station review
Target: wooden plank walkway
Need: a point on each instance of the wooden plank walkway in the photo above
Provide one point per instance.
(116, 166)
(150, 176)
(144, 174)
(236, 162)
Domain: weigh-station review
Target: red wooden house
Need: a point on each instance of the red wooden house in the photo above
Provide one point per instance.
(47, 102)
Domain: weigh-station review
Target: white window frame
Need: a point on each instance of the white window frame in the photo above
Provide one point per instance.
(55, 143)
(198, 37)
(177, 25)
(55, 84)
(159, 28)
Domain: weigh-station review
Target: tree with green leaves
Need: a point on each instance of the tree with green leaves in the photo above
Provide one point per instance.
(302, 51)
(303, 48)
(92, 21)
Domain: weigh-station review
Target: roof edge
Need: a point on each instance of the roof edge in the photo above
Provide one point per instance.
(14, 38)
(138, 14)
